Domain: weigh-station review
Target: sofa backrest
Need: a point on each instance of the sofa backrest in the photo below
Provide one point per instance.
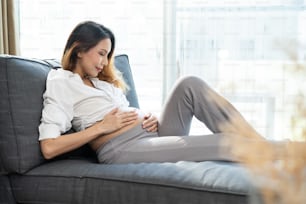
(22, 84)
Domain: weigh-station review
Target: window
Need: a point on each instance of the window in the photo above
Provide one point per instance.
(137, 25)
(241, 47)
(238, 47)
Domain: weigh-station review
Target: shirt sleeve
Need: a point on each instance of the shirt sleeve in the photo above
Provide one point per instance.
(57, 112)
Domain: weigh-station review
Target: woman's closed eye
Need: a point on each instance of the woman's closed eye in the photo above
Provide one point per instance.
(102, 54)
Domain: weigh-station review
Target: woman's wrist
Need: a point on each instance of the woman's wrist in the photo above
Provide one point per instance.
(97, 130)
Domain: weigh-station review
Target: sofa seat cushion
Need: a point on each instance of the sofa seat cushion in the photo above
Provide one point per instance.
(84, 181)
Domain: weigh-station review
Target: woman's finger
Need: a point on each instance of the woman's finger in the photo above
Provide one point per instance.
(152, 129)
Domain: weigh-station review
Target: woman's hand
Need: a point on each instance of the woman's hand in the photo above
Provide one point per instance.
(150, 123)
(116, 120)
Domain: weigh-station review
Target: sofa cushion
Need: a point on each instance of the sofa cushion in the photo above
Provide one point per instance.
(22, 83)
(123, 65)
(6, 191)
(83, 181)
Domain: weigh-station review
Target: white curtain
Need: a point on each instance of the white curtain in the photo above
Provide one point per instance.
(241, 49)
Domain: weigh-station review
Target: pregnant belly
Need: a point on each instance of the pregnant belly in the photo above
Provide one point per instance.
(95, 144)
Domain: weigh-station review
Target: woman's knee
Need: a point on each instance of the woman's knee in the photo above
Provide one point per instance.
(191, 81)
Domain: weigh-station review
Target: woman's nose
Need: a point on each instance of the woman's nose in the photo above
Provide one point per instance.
(104, 61)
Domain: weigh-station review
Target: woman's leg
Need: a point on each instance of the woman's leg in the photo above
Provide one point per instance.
(190, 97)
(176, 148)
(138, 145)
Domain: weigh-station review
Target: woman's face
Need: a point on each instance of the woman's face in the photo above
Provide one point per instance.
(92, 62)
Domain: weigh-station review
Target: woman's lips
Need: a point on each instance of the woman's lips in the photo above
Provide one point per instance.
(99, 69)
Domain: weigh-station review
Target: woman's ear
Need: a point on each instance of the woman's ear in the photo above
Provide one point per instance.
(80, 54)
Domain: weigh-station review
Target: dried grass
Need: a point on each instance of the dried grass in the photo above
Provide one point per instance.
(278, 168)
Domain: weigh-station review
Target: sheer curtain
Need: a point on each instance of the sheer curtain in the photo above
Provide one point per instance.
(243, 49)
(9, 33)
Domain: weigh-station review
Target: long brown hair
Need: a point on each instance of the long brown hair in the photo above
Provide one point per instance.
(85, 36)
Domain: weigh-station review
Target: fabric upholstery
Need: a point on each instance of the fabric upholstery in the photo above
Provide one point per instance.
(22, 85)
(87, 182)
(123, 65)
(6, 194)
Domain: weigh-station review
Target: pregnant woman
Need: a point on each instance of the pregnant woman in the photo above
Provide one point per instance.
(88, 94)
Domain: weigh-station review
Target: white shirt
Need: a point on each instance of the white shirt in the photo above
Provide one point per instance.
(68, 102)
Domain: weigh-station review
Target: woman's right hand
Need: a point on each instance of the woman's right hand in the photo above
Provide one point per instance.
(116, 120)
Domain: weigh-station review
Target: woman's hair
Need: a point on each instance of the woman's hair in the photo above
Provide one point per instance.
(85, 36)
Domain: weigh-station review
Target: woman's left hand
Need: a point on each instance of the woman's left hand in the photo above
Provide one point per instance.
(150, 123)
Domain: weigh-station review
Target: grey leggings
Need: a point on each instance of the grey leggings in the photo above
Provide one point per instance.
(190, 97)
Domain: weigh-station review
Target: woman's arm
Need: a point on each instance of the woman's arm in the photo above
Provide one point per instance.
(113, 121)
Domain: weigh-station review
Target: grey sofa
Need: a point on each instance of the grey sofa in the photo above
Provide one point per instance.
(76, 177)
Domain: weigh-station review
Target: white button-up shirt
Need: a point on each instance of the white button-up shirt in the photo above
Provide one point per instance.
(68, 102)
